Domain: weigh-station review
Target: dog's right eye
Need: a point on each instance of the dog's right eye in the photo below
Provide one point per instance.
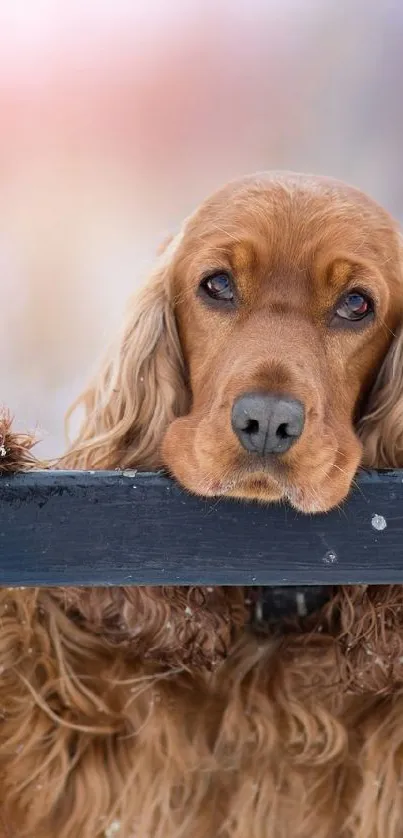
(218, 286)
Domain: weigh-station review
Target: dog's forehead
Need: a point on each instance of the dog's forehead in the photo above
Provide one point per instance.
(287, 218)
(284, 200)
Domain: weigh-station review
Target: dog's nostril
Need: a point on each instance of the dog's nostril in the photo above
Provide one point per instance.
(252, 426)
(283, 431)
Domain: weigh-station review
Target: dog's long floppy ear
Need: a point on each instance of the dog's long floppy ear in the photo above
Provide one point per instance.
(140, 388)
(381, 428)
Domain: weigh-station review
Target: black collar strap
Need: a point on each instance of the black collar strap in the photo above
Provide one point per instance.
(269, 606)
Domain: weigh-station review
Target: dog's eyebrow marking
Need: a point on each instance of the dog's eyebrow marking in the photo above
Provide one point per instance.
(245, 256)
(339, 272)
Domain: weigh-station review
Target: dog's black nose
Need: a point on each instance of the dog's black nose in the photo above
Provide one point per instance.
(267, 424)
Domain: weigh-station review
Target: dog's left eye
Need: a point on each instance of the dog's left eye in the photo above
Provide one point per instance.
(355, 306)
(218, 287)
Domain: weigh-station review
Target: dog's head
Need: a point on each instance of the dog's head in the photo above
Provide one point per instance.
(263, 359)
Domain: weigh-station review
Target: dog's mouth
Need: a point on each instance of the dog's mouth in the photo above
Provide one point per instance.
(312, 479)
(263, 486)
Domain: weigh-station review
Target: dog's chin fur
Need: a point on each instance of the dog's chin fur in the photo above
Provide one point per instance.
(153, 712)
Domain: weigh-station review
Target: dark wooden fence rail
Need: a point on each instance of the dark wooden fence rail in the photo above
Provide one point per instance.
(128, 528)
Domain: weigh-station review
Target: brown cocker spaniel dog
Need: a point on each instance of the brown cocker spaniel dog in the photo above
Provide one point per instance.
(264, 361)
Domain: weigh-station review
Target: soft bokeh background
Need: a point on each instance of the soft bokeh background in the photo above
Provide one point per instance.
(118, 116)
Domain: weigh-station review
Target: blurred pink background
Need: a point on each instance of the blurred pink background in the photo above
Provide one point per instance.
(118, 117)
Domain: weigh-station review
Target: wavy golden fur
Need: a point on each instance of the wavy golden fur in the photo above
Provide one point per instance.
(156, 712)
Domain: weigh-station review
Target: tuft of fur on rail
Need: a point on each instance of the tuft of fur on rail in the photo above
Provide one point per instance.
(16, 452)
